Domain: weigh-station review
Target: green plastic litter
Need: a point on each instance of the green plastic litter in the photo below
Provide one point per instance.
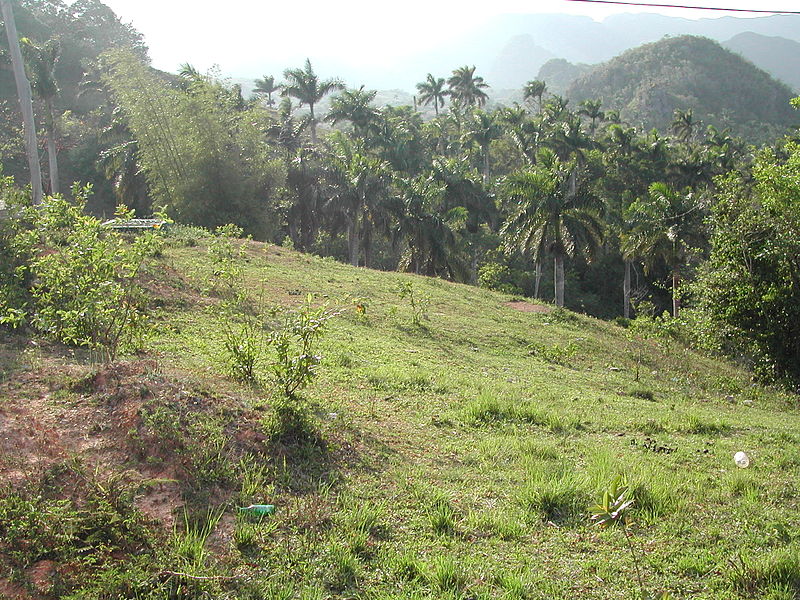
(258, 509)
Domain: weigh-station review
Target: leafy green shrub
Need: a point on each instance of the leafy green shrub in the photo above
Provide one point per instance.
(498, 277)
(417, 301)
(556, 353)
(80, 277)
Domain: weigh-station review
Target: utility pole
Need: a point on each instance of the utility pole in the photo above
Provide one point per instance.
(25, 102)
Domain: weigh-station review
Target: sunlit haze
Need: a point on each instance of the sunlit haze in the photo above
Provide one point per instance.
(249, 39)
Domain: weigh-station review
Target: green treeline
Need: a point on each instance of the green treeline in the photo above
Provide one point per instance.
(546, 199)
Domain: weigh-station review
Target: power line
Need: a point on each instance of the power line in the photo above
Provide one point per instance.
(742, 10)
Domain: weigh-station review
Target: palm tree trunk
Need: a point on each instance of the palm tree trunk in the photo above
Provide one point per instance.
(366, 243)
(538, 279)
(626, 291)
(676, 301)
(486, 165)
(313, 123)
(52, 157)
(25, 101)
(352, 241)
(559, 279)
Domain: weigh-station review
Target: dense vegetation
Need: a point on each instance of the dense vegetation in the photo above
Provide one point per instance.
(221, 408)
(647, 84)
(419, 439)
(488, 197)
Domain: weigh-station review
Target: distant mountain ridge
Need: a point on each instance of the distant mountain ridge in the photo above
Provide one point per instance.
(778, 56)
(646, 84)
(509, 50)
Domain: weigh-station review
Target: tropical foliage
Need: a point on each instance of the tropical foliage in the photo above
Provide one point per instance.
(470, 190)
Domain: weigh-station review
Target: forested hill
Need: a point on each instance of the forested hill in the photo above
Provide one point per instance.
(647, 84)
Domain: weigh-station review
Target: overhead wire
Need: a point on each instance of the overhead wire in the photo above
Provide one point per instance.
(716, 8)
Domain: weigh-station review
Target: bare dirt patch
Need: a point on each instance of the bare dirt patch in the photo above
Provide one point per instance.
(529, 307)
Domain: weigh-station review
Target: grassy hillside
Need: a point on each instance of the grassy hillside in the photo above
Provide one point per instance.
(647, 84)
(454, 457)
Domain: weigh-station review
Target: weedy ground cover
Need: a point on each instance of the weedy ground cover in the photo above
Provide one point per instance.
(456, 456)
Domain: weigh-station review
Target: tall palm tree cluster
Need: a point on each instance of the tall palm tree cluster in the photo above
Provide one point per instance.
(472, 193)
(488, 195)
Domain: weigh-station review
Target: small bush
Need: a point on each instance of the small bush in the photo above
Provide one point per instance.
(769, 571)
(74, 279)
(407, 567)
(445, 575)
(703, 426)
(344, 568)
(487, 409)
(553, 497)
(442, 517)
(555, 354)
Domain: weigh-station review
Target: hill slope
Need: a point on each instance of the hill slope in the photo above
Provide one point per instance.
(456, 456)
(648, 83)
(776, 55)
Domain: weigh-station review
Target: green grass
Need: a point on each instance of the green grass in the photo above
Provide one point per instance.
(454, 458)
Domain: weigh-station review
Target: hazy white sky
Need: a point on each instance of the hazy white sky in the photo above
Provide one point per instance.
(244, 36)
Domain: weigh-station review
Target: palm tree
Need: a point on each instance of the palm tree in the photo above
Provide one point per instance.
(466, 88)
(358, 187)
(549, 214)
(684, 124)
(464, 192)
(266, 85)
(526, 133)
(354, 106)
(41, 62)
(396, 136)
(555, 108)
(25, 101)
(482, 128)
(304, 207)
(427, 230)
(432, 90)
(591, 110)
(664, 225)
(306, 87)
(288, 131)
(534, 89)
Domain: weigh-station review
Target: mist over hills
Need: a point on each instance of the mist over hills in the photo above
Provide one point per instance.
(509, 50)
(777, 55)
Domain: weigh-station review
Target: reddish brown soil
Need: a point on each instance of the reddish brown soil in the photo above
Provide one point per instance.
(523, 306)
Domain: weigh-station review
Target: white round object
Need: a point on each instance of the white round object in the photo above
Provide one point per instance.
(741, 459)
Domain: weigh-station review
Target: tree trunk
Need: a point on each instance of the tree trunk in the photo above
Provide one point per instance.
(25, 101)
(352, 241)
(473, 274)
(366, 243)
(676, 301)
(51, 148)
(538, 280)
(486, 165)
(626, 291)
(559, 279)
(313, 124)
